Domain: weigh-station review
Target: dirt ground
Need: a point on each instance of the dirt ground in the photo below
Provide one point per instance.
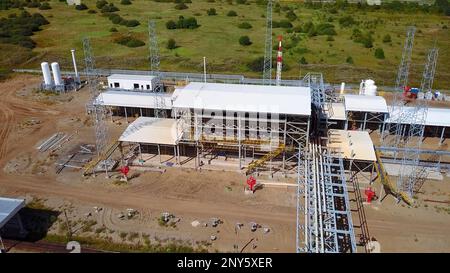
(27, 118)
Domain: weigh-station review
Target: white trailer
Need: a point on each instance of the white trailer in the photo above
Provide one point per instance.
(131, 82)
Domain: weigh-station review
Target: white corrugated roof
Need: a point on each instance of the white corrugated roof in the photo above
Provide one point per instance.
(8, 208)
(244, 98)
(151, 130)
(435, 116)
(131, 77)
(336, 111)
(352, 144)
(362, 103)
(134, 99)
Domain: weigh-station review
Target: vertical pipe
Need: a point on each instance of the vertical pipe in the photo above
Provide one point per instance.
(159, 154)
(204, 69)
(365, 120)
(77, 77)
(442, 136)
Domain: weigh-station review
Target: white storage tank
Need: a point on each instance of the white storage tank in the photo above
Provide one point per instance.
(56, 74)
(46, 73)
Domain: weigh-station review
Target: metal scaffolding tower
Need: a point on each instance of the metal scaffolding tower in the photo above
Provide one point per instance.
(160, 111)
(267, 68)
(398, 115)
(95, 104)
(411, 172)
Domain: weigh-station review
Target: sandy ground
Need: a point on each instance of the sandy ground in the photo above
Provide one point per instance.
(27, 118)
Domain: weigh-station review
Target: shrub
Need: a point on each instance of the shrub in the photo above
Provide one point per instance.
(132, 23)
(325, 29)
(92, 11)
(245, 41)
(129, 41)
(45, 6)
(181, 6)
(109, 8)
(387, 38)
(125, 2)
(349, 60)
(303, 61)
(257, 65)
(171, 24)
(100, 4)
(171, 44)
(242, 2)
(330, 38)
(231, 13)
(291, 16)
(211, 12)
(245, 25)
(347, 21)
(379, 53)
(81, 7)
(113, 29)
(282, 24)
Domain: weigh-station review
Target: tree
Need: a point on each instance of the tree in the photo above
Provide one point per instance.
(171, 44)
(231, 13)
(387, 38)
(303, 61)
(211, 12)
(379, 53)
(245, 41)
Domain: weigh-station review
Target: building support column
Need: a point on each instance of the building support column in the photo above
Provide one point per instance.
(441, 140)
(159, 154)
(126, 116)
(365, 120)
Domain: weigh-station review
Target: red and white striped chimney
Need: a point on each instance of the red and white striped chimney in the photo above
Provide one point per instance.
(279, 61)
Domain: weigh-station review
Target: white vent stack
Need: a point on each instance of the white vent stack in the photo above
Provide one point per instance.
(342, 88)
(77, 77)
(56, 74)
(46, 73)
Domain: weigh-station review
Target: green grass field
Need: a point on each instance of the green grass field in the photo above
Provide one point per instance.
(217, 39)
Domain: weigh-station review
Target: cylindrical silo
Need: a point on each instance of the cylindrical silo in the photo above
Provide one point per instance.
(46, 73)
(56, 74)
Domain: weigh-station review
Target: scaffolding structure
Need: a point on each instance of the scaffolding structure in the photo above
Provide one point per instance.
(410, 175)
(267, 66)
(326, 223)
(95, 104)
(160, 111)
(393, 131)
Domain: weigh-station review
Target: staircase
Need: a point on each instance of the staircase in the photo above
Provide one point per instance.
(258, 163)
(91, 165)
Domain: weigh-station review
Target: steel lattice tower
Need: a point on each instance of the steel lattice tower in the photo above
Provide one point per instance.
(267, 66)
(160, 111)
(411, 172)
(95, 105)
(397, 115)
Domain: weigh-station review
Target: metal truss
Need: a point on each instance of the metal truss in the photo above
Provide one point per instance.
(95, 104)
(160, 111)
(267, 69)
(410, 175)
(397, 114)
(325, 226)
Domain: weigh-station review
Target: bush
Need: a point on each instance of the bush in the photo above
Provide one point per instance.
(349, 60)
(257, 65)
(347, 21)
(100, 4)
(17, 29)
(129, 41)
(291, 16)
(171, 44)
(132, 23)
(282, 24)
(125, 2)
(303, 61)
(171, 24)
(242, 2)
(81, 7)
(45, 6)
(379, 53)
(211, 12)
(109, 8)
(363, 38)
(113, 29)
(330, 38)
(245, 41)
(181, 6)
(245, 25)
(387, 38)
(92, 11)
(325, 29)
(231, 13)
